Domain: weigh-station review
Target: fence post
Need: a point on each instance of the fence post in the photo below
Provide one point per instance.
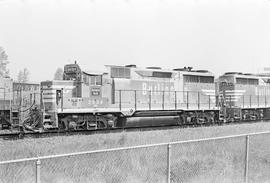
(169, 163)
(38, 163)
(247, 159)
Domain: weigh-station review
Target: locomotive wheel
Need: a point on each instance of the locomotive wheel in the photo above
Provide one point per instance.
(99, 122)
(181, 121)
(96, 124)
(63, 124)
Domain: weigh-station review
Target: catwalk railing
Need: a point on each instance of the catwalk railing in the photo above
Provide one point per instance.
(238, 158)
(164, 100)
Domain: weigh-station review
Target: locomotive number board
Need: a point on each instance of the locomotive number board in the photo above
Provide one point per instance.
(95, 91)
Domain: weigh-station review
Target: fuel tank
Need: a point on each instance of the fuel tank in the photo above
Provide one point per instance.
(149, 121)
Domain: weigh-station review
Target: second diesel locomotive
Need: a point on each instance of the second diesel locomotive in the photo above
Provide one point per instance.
(244, 96)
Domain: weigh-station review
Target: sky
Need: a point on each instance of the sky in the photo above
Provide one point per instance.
(216, 35)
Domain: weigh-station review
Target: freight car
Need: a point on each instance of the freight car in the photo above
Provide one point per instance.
(128, 96)
(16, 100)
(5, 102)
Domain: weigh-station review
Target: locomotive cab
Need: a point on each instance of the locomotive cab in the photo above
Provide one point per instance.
(74, 99)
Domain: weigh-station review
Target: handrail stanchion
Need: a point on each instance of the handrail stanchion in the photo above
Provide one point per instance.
(243, 100)
(4, 98)
(149, 99)
(230, 101)
(250, 101)
(163, 98)
(198, 100)
(265, 103)
(175, 100)
(209, 102)
(135, 98)
(120, 100)
(187, 100)
(10, 107)
(62, 99)
(258, 100)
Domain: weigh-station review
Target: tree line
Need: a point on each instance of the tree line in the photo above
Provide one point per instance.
(23, 75)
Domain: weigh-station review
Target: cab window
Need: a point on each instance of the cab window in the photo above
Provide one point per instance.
(96, 80)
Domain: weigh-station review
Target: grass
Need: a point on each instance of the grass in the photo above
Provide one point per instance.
(215, 161)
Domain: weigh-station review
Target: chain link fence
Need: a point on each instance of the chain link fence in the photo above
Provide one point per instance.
(259, 158)
(239, 158)
(18, 171)
(221, 160)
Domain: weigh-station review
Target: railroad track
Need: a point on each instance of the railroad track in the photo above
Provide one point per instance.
(20, 135)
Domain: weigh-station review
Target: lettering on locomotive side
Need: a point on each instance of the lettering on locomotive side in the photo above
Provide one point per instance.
(156, 88)
(95, 102)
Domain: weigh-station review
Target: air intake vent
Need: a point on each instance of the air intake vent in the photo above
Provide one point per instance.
(120, 72)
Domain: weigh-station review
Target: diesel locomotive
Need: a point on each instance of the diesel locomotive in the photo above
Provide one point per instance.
(244, 96)
(128, 96)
